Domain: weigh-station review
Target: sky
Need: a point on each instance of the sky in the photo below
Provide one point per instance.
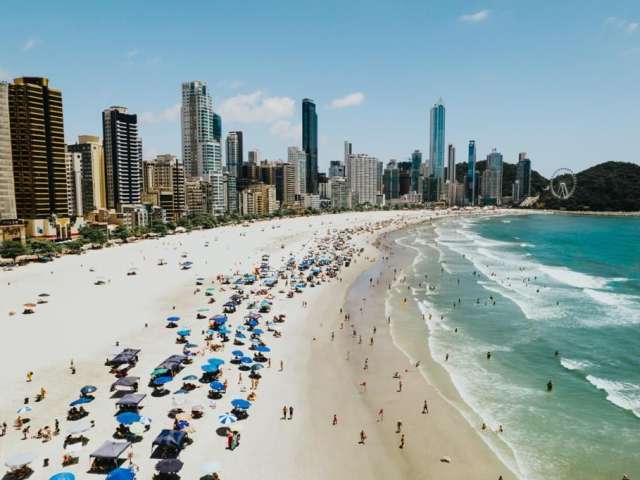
(559, 80)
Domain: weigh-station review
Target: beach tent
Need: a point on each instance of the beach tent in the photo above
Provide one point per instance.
(110, 450)
(170, 439)
(128, 355)
(131, 400)
(125, 382)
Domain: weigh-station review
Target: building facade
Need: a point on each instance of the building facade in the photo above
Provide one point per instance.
(492, 179)
(7, 188)
(310, 144)
(235, 155)
(336, 168)
(451, 175)
(298, 159)
(123, 157)
(363, 172)
(93, 181)
(436, 140)
(471, 181)
(391, 180)
(73, 164)
(523, 178)
(416, 163)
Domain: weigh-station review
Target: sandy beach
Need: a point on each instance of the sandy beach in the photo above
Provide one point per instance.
(83, 321)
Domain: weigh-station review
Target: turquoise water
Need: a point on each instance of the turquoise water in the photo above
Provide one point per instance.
(553, 298)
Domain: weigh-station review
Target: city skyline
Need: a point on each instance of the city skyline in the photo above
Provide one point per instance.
(478, 78)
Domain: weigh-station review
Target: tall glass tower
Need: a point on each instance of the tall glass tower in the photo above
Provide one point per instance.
(310, 143)
(436, 141)
(416, 163)
(471, 174)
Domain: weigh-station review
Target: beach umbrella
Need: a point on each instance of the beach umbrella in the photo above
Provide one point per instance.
(240, 335)
(210, 468)
(169, 465)
(257, 366)
(241, 327)
(203, 309)
(74, 447)
(209, 368)
(184, 333)
(227, 419)
(79, 427)
(159, 371)
(253, 323)
(263, 348)
(241, 403)
(87, 389)
(162, 380)
(127, 418)
(25, 409)
(136, 428)
(191, 345)
(215, 361)
(145, 420)
(189, 378)
(219, 319)
(223, 330)
(237, 353)
(20, 460)
(121, 474)
(246, 360)
(257, 331)
(173, 318)
(81, 401)
(217, 386)
(63, 476)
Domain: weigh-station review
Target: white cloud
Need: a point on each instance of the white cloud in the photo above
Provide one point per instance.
(352, 100)
(132, 53)
(623, 24)
(170, 114)
(286, 130)
(256, 107)
(29, 44)
(476, 17)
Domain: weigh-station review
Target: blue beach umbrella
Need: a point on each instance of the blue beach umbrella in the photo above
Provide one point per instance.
(190, 377)
(257, 331)
(173, 319)
(240, 335)
(215, 361)
(88, 389)
(162, 380)
(121, 474)
(217, 386)
(241, 403)
(227, 419)
(209, 368)
(184, 332)
(219, 319)
(127, 418)
(246, 360)
(63, 476)
(237, 353)
(257, 366)
(252, 323)
(263, 348)
(191, 345)
(81, 401)
(223, 331)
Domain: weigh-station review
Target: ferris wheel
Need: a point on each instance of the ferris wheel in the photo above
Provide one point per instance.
(563, 183)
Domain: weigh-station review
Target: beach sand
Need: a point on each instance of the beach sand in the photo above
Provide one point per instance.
(83, 321)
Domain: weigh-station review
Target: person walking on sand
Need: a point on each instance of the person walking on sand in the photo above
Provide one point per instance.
(281, 365)
(401, 446)
(284, 412)
(290, 413)
(380, 415)
(363, 437)
(334, 421)
(425, 408)
(399, 385)
(398, 426)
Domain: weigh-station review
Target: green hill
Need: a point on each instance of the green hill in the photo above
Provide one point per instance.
(607, 187)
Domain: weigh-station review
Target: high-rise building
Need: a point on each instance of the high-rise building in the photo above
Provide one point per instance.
(258, 199)
(404, 177)
(199, 141)
(523, 177)
(285, 182)
(235, 153)
(391, 180)
(451, 175)
(340, 194)
(298, 159)
(310, 144)
(38, 152)
(199, 197)
(7, 189)
(348, 150)
(165, 185)
(231, 192)
(336, 168)
(254, 157)
(122, 157)
(93, 181)
(73, 165)
(436, 140)
(364, 178)
(416, 163)
(492, 179)
(471, 181)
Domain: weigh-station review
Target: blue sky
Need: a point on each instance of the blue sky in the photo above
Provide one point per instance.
(557, 79)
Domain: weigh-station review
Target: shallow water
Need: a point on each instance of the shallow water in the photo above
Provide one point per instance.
(524, 288)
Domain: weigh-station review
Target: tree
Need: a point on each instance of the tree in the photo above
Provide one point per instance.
(121, 232)
(12, 249)
(158, 227)
(74, 246)
(41, 247)
(93, 235)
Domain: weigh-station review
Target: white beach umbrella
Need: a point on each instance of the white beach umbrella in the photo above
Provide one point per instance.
(74, 447)
(20, 460)
(136, 428)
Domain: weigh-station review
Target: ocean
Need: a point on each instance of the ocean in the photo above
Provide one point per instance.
(553, 298)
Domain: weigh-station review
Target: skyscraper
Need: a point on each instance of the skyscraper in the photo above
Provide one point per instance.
(7, 189)
(492, 179)
(198, 130)
(298, 159)
(37, 145)
(336, 168)
(364, 178)
(523, 177)
(348, 150)
(451, 175)
(436, 140)
(73, 161)
(93, 181)
(310, 144)
(235, 153)
(416, 162)
(254, 157)
(217, 127)
(123, 157)
(391, 180)
(471, 182)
